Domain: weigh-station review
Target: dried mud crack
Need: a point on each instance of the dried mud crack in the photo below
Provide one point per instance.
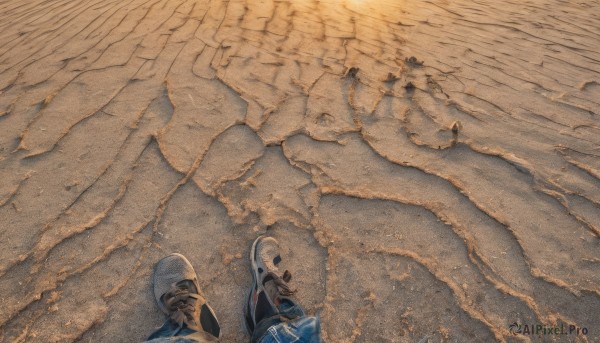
(431, 168)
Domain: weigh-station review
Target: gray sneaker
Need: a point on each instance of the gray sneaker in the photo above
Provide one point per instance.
(268, 284)
(179, 296)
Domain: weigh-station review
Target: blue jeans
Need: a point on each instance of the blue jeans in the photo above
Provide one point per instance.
(289, 326)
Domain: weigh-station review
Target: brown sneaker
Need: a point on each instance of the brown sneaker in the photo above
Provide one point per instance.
(178, 295)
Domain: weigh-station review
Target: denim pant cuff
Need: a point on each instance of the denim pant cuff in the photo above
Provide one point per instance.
(288, 310)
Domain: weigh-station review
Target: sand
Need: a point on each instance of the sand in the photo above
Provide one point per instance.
(431, 168)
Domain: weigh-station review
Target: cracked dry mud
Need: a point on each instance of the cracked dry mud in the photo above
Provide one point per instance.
(431, 168)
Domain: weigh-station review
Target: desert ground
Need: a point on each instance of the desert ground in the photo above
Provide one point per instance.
(430, 168)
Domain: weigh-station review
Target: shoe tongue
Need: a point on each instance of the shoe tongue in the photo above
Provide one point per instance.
(185, 304)
(187, 284)
(184, 285)
(271, 289)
